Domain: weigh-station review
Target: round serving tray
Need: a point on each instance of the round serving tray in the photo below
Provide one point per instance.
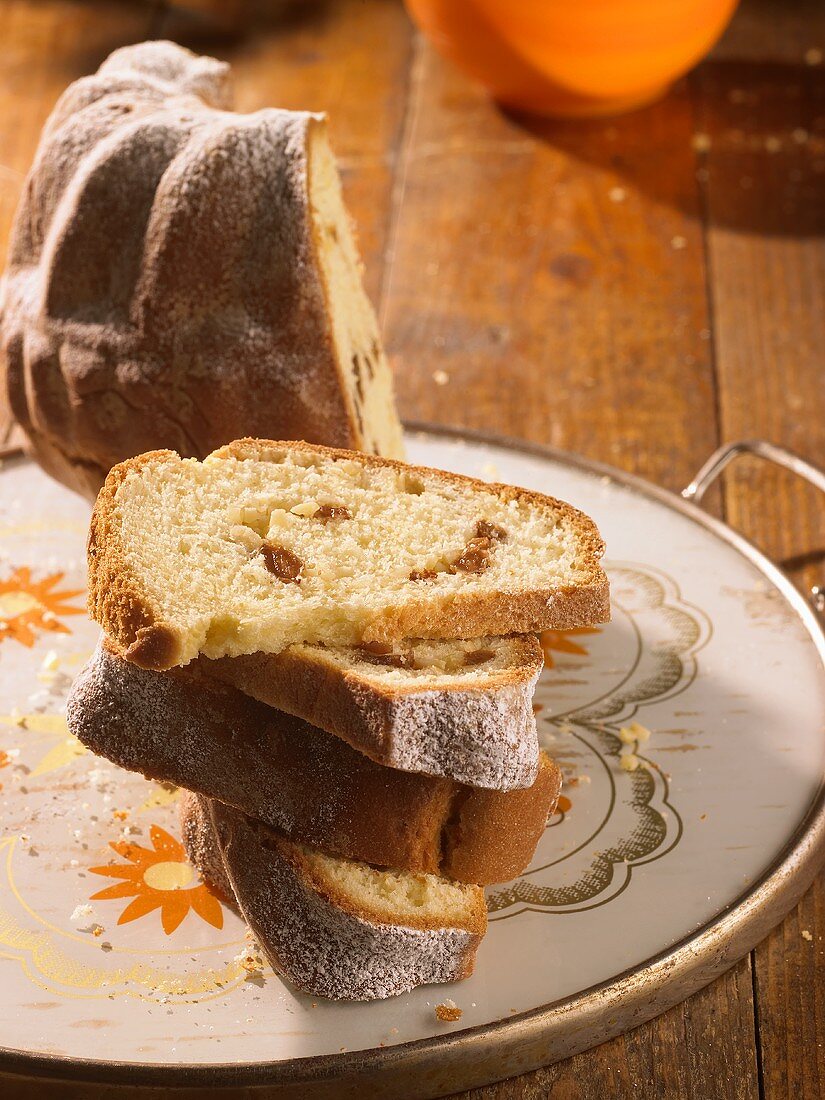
(646, 885)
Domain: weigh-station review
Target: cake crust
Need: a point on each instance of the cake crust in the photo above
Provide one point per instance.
(187, 729)
(481, 733)
(324, 939)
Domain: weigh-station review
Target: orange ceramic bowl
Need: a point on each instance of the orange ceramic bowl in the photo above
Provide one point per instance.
(573, 57)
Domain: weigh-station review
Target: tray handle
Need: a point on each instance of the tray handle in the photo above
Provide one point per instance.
(780, 456)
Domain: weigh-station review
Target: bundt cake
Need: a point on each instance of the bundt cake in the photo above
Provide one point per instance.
(181, 275)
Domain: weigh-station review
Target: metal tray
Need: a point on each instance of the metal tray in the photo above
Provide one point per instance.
(646, 886)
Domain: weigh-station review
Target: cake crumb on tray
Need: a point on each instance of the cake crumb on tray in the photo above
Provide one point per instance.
(448, 1012)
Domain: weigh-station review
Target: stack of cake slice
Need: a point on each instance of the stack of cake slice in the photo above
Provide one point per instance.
(335, 654)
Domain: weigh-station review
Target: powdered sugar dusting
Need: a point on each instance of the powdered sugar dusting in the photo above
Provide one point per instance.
(322, 948)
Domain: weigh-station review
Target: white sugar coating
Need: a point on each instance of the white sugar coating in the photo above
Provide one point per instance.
(146, 722)
(484, 739)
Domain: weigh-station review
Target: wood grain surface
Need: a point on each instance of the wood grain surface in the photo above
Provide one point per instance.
(636, 289)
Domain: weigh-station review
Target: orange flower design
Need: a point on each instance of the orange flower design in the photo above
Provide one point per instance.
(28, 607)
(159, 877)
(559, 640)
(4, 762)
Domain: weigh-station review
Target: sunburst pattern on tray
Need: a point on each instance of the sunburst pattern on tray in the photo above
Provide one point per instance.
(561, 642)
(29, 607)
(159, 877)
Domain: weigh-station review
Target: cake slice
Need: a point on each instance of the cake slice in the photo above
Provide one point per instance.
(463, 709)
(265, 544)
(333, 927)
(198, 733)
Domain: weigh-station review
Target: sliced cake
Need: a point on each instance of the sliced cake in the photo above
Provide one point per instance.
(334, 927)
(463, 709)
(264, 545)
(195, 732)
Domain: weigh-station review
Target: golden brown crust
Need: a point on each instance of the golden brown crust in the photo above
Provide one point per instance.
(118, 602)
(482, 836)
(470, 616)
(525, 661)
(198, 733)
(271, 676)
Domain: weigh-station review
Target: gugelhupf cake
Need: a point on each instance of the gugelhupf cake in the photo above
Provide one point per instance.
(181, 275)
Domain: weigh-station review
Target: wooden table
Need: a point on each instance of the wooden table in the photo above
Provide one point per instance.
(637, 290)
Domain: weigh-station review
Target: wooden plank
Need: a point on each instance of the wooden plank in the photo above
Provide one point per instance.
(790, 985)
(554, 273)
(762, 119)
(691, 1052)
(350, 59)
(550, 276)
(762, 109)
